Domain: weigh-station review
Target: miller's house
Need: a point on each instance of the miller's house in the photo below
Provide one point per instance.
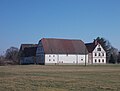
(97, 54)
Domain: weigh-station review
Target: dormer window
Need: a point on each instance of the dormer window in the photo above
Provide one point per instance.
(98, 49)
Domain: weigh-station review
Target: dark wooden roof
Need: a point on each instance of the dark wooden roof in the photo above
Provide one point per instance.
(28, 50)
(27, 46)
(90, 47)
(63, 46)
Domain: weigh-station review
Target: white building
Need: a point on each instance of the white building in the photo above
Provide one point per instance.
(61, 51)
(97, 54)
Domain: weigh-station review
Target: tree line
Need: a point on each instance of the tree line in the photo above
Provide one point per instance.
(113, 54)
(12, 56)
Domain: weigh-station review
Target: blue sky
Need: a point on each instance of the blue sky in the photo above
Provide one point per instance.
(27, 21)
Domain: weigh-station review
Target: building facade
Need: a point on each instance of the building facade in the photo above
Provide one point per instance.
(27, 54)
(61, 51)
(97, 54)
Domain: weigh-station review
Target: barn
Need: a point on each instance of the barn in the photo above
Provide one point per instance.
(27, 53)
(61, 51)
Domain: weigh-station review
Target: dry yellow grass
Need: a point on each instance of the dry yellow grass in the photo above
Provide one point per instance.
(60, 78)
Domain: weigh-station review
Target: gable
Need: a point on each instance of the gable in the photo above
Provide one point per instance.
(27, 50)
(98, 48)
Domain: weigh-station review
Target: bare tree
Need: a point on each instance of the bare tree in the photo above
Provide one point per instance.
(12, 54)
(2, 60)
(118, 60)
(115, 54)
(112, 53)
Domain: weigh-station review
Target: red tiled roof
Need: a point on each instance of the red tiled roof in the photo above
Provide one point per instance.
(63, 46)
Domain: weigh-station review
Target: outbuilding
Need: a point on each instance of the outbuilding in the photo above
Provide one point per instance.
(27, 54)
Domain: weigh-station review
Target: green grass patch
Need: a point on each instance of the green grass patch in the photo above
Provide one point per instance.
(60, 78)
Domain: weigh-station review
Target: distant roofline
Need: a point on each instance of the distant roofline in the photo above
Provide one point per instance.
(61, 39)
(88, 43)
(29, 44)
(66, 46)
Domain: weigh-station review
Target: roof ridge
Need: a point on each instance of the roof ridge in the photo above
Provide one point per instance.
(63, 39)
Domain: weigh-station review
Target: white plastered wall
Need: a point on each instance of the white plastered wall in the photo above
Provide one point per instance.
(66, 58)
(100, 57)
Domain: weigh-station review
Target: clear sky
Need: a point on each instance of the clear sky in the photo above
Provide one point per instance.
(27, 21)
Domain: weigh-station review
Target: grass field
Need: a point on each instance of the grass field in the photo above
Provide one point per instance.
(60, 78)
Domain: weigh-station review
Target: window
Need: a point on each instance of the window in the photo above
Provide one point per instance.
(49, 59)
(95, 54)
(53, 55)
(81, 59)
(53, 59)
(103, 60)
(42, 57)
(102, 54)
(95, 60)
(99, 54)
(99, 60)
(98, 49)
(41, 49)
(49, 55)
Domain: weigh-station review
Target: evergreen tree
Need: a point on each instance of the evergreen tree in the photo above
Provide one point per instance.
(106, 46)
(112, 60)
(110, 50)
